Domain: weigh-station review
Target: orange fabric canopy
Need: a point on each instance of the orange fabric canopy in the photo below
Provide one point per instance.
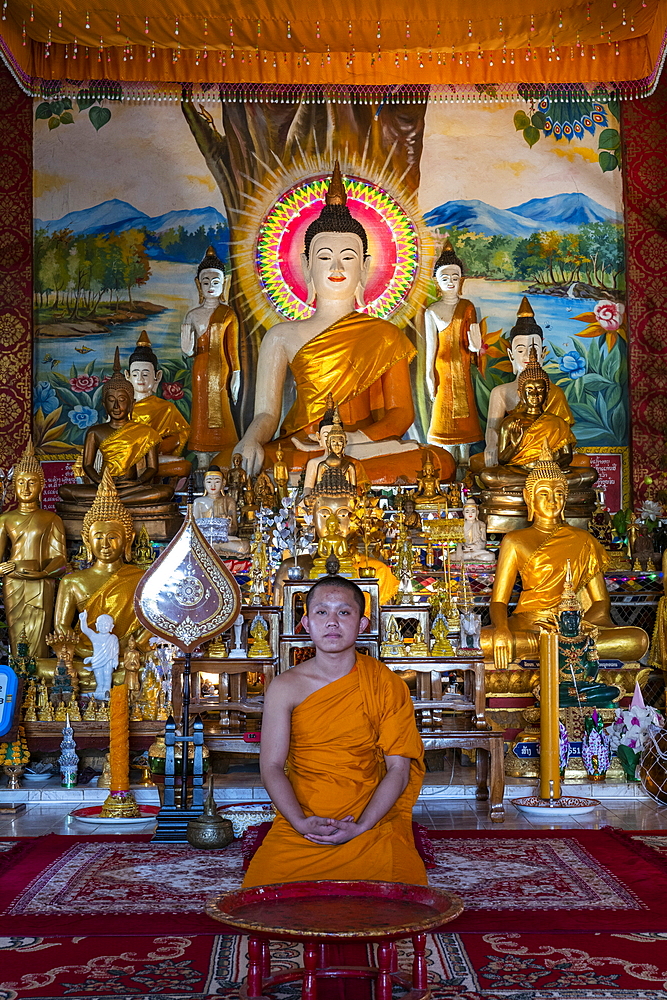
(383, 43)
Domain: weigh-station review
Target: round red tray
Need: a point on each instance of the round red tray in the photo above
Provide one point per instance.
(330, 910)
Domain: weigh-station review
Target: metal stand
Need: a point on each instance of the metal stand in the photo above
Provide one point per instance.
(173, 819)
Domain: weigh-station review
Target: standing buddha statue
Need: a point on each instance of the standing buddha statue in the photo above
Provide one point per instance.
(210, 334)
(37, 557)
(453, 339)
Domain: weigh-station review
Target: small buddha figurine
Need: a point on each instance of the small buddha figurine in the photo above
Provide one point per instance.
(578, 661)
(336, 472)
(440, 632)
(332, 542)
(106, 587)
(210, 333)
(411, 519)
(144, 374)
(473, 549)
(217, 504)
(132, 666)
(280, 474)
(30, 702)
(104, 660)
(237, 479)
(150, 692)
(453, 342)
(33, 554)
(393, 645)
(61, 688)
(539, 554)
(44, 707)
(142, 554)
(428, 482)
(259, 631)
(263, 492)
(259, 573)
(127, 450)
(418, 646)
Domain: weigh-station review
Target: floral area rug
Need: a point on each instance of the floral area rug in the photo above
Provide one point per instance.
(499, 966)
(556, 881)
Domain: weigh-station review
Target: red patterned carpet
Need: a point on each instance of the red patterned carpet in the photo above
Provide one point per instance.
(498, 966)
(555, 881)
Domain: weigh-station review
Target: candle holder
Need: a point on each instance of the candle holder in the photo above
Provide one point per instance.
(14, 773)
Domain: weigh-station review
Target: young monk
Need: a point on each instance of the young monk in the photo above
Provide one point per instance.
(344, 725)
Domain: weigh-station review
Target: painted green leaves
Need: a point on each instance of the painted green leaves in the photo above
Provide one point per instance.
(531, 127)
(609, 144)
(60, 111)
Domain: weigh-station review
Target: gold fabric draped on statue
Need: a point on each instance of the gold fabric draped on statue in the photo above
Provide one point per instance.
(165, 418)
(454, 419)
(335, 763)
(125, 447)
(333, 364)
(116, 598)
(548, 428)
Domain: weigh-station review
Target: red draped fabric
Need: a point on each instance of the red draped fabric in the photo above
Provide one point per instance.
(645, 133)
(15, 268)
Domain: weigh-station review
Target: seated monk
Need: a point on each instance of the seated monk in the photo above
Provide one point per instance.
(344, 725)
(540, 554)
(119, 446)
(160, 414)
(107, 587)
(361, 361)
(526, 429)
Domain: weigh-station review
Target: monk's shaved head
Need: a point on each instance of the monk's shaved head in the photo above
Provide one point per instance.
(339, 583)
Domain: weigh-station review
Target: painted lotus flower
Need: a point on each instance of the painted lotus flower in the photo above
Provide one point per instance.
(172, 390)
(572, 364)
(609, 314)
(84, 383)
(45, 398)
(83, 416)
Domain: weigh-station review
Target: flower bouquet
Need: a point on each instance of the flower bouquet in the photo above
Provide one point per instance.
(629, 731)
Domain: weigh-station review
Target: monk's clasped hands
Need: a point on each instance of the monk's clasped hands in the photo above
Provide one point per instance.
(332, 832)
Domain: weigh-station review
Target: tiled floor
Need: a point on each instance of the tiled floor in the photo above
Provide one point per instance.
(456, 814)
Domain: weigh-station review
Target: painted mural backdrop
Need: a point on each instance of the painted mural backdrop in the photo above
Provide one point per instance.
(126, 205)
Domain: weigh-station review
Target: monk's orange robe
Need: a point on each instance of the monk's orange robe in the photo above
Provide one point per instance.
(335, 763)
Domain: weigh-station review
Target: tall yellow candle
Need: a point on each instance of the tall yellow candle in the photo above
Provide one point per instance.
(119, 738)
(549, 759)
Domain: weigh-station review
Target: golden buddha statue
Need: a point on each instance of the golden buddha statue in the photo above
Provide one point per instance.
(453, 338)
(540, 554)
(332, 543)
(505, 397)
(258, 632)
(217, 503)
(336, 472)
(127, 449)
(263, 492)
(132, 666)
(238, 479)
(106, 587)
(361, 360)
(428, 483)
(523, 434)
(144, 373)
(411, 519)
(280, 474)
(419, 646)
(393, 645)
(37, 557)
(440, 632)
(210, 334)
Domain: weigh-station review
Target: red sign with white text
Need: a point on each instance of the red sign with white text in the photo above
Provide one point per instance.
(55, 475)
(610, 479)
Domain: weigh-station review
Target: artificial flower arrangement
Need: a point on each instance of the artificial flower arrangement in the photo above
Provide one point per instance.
(629, 730)
(16, 752)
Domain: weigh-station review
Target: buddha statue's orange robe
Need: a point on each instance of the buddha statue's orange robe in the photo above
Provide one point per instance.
(335, 763)
(116, 598)
(454, 417)
(126, 446)
(364, 363)
(212, 426)
(547, 428)
(165, 418)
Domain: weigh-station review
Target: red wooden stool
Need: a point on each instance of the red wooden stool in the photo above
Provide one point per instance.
(319, 913)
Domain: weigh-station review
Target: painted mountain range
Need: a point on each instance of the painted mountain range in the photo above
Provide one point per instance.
(118, 216)
(563, 212)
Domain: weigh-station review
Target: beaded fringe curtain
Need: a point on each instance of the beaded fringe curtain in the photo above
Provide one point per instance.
(645, 169)
(15, 270)
(484, 47)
